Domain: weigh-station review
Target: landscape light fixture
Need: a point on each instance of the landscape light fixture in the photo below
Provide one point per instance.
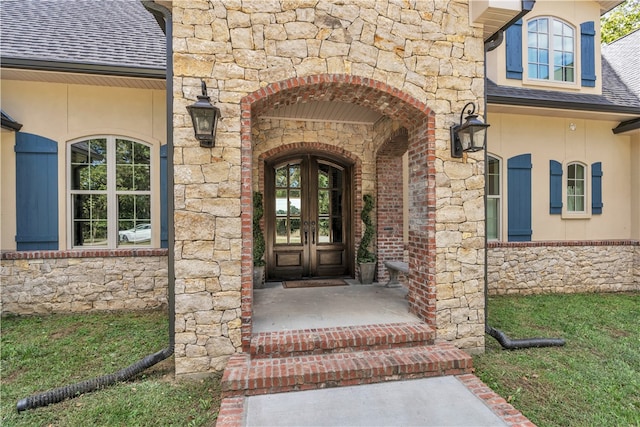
(205, 119)
(470, 135)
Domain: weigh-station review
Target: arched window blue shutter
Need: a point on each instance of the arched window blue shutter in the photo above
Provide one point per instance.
(555, 187)
(36, 192)
(519, 198)
(514, 50)
(164, 236)
(588, 53)
(596, 188)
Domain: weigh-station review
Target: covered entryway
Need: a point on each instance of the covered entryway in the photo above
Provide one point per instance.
(308, 217)
(311, 146)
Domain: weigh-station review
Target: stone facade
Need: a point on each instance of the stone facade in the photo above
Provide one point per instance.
(416, 63)
(45, 282)
(563, 267)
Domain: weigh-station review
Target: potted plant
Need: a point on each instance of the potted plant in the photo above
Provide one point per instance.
(366, 259)
(258, 241)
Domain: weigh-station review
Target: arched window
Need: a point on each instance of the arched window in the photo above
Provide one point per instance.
(494, 198)
(550, 50)
(110, 193)
(576, 188)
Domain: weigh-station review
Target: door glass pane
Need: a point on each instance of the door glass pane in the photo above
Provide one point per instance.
(281, 230)
(295, 202)
(281, 202)
(294, 231)
(281, 177)
(323, 202)
(336, 229)
(294, 176)
(323, 230)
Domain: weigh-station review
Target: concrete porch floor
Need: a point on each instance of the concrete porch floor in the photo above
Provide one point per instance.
(276, 308)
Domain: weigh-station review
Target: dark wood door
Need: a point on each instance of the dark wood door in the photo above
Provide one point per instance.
(307, 209)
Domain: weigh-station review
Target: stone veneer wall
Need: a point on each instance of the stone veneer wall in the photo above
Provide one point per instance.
(417, 63)
(45, 282)
(563, 267)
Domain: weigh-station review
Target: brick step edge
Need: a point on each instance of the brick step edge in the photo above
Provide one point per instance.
(340, 339)
(244, 376)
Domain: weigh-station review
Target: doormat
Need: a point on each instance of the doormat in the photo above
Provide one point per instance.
(313, 283)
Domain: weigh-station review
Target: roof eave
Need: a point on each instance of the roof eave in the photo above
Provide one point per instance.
(560, 105)
(84, 68)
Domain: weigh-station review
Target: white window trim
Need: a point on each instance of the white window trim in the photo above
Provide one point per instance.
(566, 213)
(575, 84)
(112, 217)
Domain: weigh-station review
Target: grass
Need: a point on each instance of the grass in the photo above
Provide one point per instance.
(594, 380)
(42, 353)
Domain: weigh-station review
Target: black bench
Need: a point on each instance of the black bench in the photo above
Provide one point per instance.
(395, 267)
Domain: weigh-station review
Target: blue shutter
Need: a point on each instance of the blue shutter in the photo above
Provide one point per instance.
(36, 192)
(596, 188)
(588, 53)
(519, 198)
(514, 50)
(164, 237)
(555, 187)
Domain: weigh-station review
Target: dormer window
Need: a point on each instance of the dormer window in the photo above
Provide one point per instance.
(550, 50)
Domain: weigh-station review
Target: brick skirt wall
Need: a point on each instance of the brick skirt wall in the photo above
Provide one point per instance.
(563, 267)
(44, 282)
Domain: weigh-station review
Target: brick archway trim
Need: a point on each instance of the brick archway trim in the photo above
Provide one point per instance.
(413, 114)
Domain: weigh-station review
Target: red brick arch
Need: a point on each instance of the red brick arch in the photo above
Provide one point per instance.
(414, 115)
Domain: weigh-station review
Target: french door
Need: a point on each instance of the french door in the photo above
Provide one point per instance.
(308, 208)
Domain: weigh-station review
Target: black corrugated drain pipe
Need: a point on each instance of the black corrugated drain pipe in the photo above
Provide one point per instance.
(491, 43)
(510, 344)
(163, 16)
(70, 391)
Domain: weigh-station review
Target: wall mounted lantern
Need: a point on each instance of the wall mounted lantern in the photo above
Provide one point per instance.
(205, 119)
(470, 135)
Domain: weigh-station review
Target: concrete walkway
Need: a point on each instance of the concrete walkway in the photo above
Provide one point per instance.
(441, 401)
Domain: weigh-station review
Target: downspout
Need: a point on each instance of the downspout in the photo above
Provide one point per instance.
(74, 390)
(507, 343)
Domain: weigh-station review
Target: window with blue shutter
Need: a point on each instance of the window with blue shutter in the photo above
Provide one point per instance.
(519, 198)
(555, 187)
(164, 236)
(514, 50)
(588, 53)
(596, 188)
(36, 192)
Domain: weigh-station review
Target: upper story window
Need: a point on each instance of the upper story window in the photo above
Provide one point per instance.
(110, 193)
(550, 50)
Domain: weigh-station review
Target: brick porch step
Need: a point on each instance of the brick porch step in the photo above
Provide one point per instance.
(340, 339)
(246, 376)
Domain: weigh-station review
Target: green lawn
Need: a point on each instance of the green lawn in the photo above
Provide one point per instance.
(594, 380)
(41, 353)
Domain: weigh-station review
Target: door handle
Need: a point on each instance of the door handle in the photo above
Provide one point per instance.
(313, 232)
(306, 231)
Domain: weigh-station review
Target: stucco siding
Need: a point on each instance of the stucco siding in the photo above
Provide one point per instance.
(67, 112)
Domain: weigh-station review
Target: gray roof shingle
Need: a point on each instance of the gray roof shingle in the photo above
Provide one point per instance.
(623, 55)
(114, 33)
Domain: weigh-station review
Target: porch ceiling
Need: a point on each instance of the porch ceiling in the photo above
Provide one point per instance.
(325, 111)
